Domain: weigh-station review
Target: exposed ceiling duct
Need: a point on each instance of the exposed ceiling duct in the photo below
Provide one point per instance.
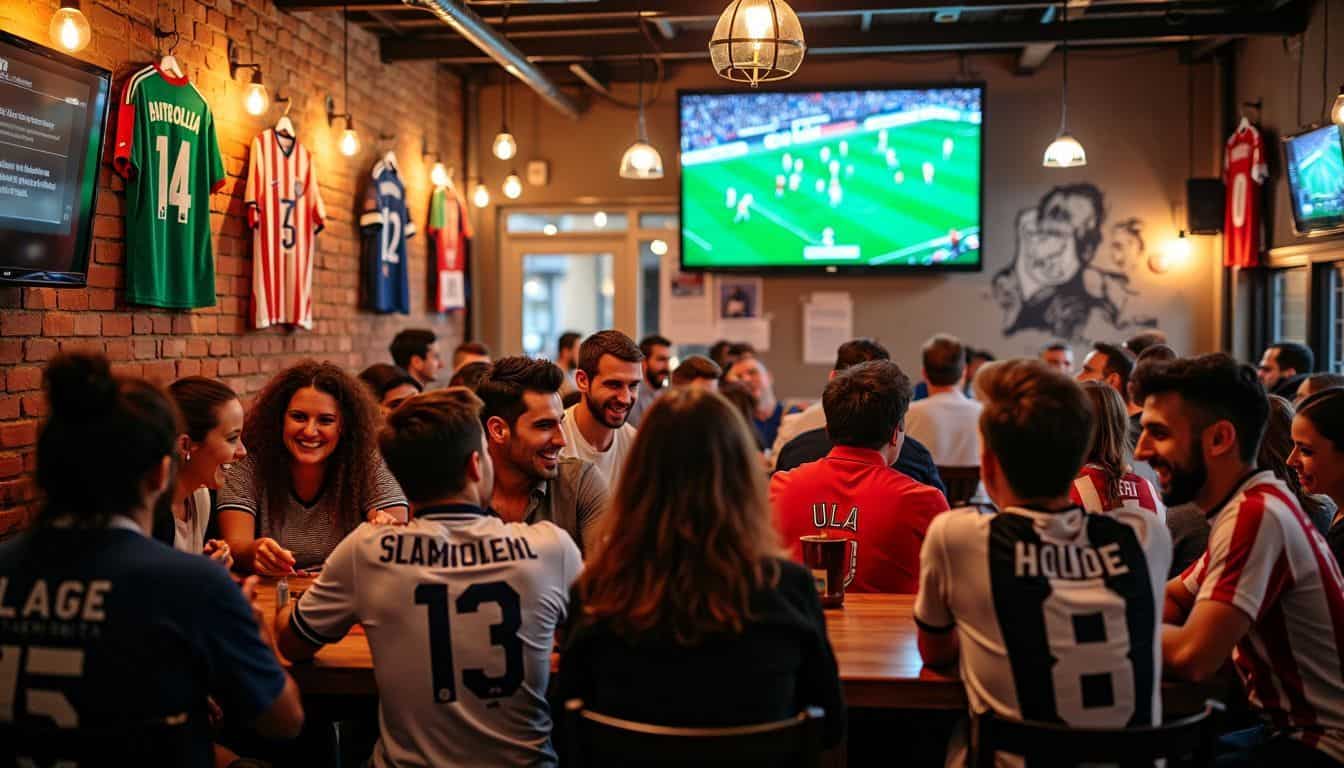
(472, 28)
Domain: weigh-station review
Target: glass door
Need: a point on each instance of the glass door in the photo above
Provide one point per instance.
(565, 285)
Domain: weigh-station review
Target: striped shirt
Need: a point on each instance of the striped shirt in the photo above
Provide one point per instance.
(285, 212)
(1092, 491)
(311, 531)
(1268, 560)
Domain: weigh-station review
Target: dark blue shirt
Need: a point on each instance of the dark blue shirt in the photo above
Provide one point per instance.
(386, 226)
(914, 461)
(140, 631)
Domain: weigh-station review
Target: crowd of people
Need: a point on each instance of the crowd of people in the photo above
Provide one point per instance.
(632, 521)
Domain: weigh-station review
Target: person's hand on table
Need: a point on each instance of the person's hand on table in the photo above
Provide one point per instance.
(218, 550)
(250, 594)
(271, 559)
(383, 517)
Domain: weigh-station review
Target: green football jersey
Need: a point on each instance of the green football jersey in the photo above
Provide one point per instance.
(168, 152)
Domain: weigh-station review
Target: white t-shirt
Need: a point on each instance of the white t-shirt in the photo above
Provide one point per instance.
(189, 534)
(460, 609)
(948, 424)
(610, 461)
(1058, 615)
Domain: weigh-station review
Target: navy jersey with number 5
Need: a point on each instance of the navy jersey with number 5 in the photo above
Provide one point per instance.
(460, 609)
(1058, 614)
(386, 224)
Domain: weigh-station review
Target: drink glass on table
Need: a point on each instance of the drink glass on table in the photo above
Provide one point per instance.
(827, 558)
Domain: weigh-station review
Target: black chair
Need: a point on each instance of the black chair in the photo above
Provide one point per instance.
(961, 482)
(161, 741)
(1188, 741)
(596, 741)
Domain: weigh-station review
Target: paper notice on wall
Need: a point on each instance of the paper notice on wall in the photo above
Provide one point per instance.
(751, 330)
(686, 304)
(828, 322)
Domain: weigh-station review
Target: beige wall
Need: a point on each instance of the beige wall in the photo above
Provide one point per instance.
(1128, 108)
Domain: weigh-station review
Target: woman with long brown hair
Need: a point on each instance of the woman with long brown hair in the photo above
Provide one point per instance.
(1105, 482)
(312, 474)
(686, 593)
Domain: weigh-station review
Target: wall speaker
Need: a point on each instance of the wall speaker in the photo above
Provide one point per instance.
(1204, 206)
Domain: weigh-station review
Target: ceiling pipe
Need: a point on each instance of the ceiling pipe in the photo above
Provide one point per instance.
(474, 30)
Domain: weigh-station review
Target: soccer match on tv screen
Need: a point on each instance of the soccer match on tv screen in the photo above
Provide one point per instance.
(849, 179)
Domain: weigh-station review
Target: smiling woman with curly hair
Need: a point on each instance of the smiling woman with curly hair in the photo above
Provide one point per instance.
(313, 472)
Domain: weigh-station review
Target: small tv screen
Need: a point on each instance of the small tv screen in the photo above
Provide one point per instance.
(1315, 164)
(832, 180)
(53, 110)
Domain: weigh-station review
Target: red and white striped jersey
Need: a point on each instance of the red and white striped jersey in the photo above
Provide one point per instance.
(1267, 559)
(284, 209)
(1092, 491)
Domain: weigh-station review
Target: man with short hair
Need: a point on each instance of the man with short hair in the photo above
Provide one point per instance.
(1266, 591)
(416, 351)
(853, 493)
(533, 482)
(1058, 355)
(1053, 613)
(469, 352)
(1315, 383)
(608, 377)
(697, 371)
(1141, 341)
(657, 351)
(567, 357)
(1112, 366)
(460, 608)
(946, 420)
(750, 371)
(1283, 367)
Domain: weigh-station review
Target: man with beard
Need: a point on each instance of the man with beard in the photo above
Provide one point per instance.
(1283, 367)
(522, 416)
(657, 351)
(608, 379)
(1266, 591)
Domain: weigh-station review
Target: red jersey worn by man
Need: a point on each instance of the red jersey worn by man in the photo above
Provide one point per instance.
(1093, 492)
(1266, 559)
(852, 493)
(1244, 171)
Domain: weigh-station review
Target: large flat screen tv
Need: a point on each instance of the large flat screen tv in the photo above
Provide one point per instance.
(53, 110)
(833, 180)
(1315, 166)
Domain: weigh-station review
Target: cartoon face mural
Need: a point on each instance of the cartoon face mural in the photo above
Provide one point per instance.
(1055, 281)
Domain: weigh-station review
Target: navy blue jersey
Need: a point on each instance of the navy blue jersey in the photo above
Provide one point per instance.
(108, 628)
(387, 225)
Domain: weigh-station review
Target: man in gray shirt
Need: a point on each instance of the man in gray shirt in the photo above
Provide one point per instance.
(522, 417)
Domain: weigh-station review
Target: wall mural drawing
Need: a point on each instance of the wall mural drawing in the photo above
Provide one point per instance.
(1068, 265)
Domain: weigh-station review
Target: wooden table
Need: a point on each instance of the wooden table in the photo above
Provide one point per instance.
(873, 637)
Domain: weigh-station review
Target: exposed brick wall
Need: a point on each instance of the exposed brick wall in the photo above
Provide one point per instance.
(417, 104)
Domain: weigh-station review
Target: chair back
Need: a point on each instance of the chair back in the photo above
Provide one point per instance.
(961, 482)
(597, 741)
(164, 741)
(1188, 739)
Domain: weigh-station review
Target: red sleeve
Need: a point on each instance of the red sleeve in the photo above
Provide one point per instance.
(121, 155)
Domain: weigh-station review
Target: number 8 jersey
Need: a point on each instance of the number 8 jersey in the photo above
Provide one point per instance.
(1058, 614)
(168, 153)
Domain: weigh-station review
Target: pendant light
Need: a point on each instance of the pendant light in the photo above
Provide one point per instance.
(480, 196)
(756, 41)
(1337, 107)
(69, 29)
(641, 160)
(513, 186)
(1065, 151)
(349, 143)
(505, 147)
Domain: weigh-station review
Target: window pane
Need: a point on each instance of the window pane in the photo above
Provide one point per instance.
(564, 292)
(561, 223)
(1289, 312)
(1336, 341)
(658, 221)
(650, 269)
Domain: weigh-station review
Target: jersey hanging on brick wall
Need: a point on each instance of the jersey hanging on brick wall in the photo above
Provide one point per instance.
(387, 226)
(448, 229)
(1244, 171)
(284, 209)
(168, 153)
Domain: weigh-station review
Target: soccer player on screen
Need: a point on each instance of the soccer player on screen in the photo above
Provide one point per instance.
(928, 172)
(947, 147)
(743, 209)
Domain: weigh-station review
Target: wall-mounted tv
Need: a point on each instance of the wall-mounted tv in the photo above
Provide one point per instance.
(832, 180)
(1315, 166)
(53, 110)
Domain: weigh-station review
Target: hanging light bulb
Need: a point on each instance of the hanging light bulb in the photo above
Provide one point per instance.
(600, 219)
(658, 247)
(349, 140)
(641, 160)
(1337, 111)
(255, 100)
(505, 146)
(69, 29)
(513, 186)
(481, 195)
(756, 41)
(1065, 151)
(438, 175)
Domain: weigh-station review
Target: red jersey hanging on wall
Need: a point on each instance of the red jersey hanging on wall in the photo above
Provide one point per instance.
(1244, 171)
(449, 229)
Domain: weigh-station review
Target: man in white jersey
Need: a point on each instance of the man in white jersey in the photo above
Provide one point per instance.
(596, 428)
(1267, 591)
(1054, 613)
(460, 607)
